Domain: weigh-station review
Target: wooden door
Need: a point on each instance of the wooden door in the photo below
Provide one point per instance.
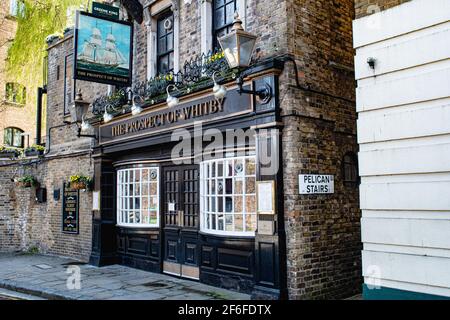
(181, 220)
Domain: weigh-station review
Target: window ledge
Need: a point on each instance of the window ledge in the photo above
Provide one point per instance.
(141, 226)
(228, 234)
(14, 104)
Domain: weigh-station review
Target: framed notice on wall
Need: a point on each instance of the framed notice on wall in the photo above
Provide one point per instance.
(103, 50)
(70, 210)
(265, 191)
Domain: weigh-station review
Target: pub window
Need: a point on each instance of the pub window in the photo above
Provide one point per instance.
(228, 196)
(12, 137)
(138, 197)
(15, 93)
(164, 47)
(223, 18)
(350, 169)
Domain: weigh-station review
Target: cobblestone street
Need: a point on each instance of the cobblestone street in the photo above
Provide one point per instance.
(46, 277)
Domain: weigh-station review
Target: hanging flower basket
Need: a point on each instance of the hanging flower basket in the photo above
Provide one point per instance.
(27, 181)
(78, 185)
(80, 182)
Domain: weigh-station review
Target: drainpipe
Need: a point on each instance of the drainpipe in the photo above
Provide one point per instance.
(41, 92)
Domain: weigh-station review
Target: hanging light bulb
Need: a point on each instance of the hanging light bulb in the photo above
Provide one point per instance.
(135, 109)
(85, 126)
(171, 101)
(219, 90)
(107, 117)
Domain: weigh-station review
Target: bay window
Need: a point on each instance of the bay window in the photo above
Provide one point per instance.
(138, 197)
(228, 196)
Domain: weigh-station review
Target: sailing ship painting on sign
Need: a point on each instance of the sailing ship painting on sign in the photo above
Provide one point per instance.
(103, 50)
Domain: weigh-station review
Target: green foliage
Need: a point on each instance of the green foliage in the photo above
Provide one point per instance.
(35, 147)
(17, 152)
(39, 19)
(80, 178)
(28, 180)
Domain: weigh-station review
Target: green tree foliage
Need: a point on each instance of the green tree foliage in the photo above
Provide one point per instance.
(37, 20)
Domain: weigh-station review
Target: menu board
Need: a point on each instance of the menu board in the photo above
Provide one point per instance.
(70, 210)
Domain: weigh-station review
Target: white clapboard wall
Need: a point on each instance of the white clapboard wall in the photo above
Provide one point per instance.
(404, 138)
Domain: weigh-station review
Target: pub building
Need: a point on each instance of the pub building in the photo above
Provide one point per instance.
(199, 156)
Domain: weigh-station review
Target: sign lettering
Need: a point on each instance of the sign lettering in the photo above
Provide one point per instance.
(316, 184)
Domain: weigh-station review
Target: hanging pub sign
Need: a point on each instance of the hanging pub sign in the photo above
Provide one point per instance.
(105, 11)
(103, 50)
(70, 210)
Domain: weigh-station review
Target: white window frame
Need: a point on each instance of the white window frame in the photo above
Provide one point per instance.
(151, 21)
(122, 194)
(208, 197)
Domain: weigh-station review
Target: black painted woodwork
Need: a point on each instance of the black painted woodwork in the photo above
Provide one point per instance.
(255, 265)
(104, 222)
(139, 248)
(181, 187)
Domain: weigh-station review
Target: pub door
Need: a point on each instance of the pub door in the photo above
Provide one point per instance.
(181, 221)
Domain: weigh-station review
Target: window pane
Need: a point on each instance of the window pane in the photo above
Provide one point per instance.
(250, 166)
(238, 222)
(250, 185)
(250, 222)
(228, 204)
(230, 13)
(170, 41)
(219, 18)
(238, 186)
(250, 204)
(238, 204)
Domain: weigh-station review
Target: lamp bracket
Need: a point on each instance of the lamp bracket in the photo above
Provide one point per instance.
(264, 94)
(79, 135)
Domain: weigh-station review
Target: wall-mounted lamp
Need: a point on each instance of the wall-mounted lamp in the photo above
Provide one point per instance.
(238, 45)
(78, 111)
(219, 90)
(238, 48)
(107, 117)
(371, 62)
(171, 101)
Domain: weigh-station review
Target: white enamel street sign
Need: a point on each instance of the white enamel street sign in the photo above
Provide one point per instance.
(316, 184)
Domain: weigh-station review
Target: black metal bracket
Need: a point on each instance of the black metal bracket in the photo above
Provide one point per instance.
(264, 94)
(79, 135)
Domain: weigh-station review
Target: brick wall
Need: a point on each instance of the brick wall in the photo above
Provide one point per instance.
(26, 224)
(11, 115)
(367, 7)
(323, 232)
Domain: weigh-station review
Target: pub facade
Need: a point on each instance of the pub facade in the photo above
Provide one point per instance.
(238, 176)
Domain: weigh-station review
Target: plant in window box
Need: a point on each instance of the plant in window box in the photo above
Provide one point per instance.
(27, 181)
(9, 153)
(80, 182)
(34, 150)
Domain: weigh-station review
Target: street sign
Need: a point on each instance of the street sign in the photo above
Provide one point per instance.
(316, 184)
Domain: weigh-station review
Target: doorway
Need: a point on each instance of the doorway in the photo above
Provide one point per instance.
(181, 214)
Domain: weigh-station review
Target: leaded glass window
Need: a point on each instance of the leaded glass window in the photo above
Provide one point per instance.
(138, 197)
(228, 196)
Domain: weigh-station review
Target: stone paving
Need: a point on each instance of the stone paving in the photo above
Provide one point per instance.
(47, 277)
